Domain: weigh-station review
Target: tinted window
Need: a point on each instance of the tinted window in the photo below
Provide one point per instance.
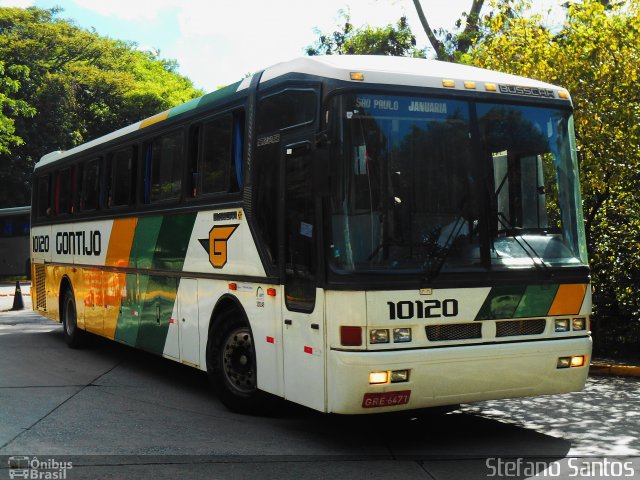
(121, 182)
(163, 161)
(43, 196)
(65, 190)
(217, 155)
(15, 226)
(90, 185)
(266, 195)
(287, 109)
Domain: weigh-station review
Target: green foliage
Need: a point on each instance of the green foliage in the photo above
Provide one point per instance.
(395, 40)
(11, 107)
(596, 56)
(61, 85)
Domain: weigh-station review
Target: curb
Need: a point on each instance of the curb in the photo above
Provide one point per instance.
(617, 370)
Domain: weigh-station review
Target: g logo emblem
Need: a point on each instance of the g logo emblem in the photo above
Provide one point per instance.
(218, 238)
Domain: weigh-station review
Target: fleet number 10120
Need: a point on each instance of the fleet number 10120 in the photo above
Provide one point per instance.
(423, 309)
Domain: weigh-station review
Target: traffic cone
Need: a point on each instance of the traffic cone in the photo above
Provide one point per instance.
(18, 304)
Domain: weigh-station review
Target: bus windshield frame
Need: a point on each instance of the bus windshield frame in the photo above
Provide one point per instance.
(424, 184)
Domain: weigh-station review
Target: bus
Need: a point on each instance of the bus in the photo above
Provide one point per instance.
(355, 234)
(14, 241)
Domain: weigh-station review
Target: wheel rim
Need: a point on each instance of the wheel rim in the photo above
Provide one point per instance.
(238, 361)
(70, 317)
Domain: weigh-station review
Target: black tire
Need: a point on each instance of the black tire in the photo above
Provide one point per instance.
(231, 366)
(72, 334)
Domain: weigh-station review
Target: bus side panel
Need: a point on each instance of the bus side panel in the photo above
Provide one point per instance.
(221, 243)
(129, 313)
(157, 308)
(89, 290)
(263, 312)
(40, 246)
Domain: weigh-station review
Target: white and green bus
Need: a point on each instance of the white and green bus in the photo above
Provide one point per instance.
(355, 234)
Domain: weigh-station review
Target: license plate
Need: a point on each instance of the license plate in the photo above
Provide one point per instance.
(385, 399)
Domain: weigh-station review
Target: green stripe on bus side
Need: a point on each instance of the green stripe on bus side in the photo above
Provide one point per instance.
(501, 302)
(159, 243)
(173, 241)
(155, 314)
(144, 242)
(185, 107)
(536, 301)
(213, 97)
(129, 317)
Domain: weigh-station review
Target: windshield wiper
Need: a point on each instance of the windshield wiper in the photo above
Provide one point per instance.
(445, 249)
(515, 232)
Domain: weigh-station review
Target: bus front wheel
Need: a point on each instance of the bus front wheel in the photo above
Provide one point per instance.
(231, 365)
(72, 334)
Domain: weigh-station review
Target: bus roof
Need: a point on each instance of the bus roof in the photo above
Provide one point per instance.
(370, 69)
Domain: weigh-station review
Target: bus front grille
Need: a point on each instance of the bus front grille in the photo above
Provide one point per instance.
(41, 293)
(514, 328)
(456, 331)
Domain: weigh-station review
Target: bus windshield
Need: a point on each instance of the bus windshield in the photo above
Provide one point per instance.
(417, 180)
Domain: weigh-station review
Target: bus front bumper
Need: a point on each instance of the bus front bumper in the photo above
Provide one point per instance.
(453, 375)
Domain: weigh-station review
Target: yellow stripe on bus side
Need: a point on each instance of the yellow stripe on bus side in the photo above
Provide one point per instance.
(568, 299)
(155, 119)
(122, 233)
(120, 242)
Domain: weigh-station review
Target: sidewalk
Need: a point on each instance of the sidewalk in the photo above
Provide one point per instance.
(7, 292)
(620, 368)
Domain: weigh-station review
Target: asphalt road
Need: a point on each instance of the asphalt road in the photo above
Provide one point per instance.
(114, 412)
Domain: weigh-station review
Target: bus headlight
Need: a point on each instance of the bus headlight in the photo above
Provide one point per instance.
(578, 324)
(401, 335)
(398, 376)
(562, 325)
(379, 335)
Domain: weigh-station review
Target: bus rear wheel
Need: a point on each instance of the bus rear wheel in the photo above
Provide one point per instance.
(231, 366)
(72, 334)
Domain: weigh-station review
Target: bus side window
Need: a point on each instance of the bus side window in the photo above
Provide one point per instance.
(121, 176)
(216, 155)
(43, 196)
(65, 190)
(236, 163)
(90, 187)
(194, 169)
(163, 167)
(288, 109)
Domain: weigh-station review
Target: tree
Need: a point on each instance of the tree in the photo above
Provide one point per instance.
(449, 45)
(395, 40)
(596, 56)
(65, 86)
(10, 107)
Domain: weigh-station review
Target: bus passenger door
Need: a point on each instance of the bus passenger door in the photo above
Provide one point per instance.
(188, 322)
(303, 313)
